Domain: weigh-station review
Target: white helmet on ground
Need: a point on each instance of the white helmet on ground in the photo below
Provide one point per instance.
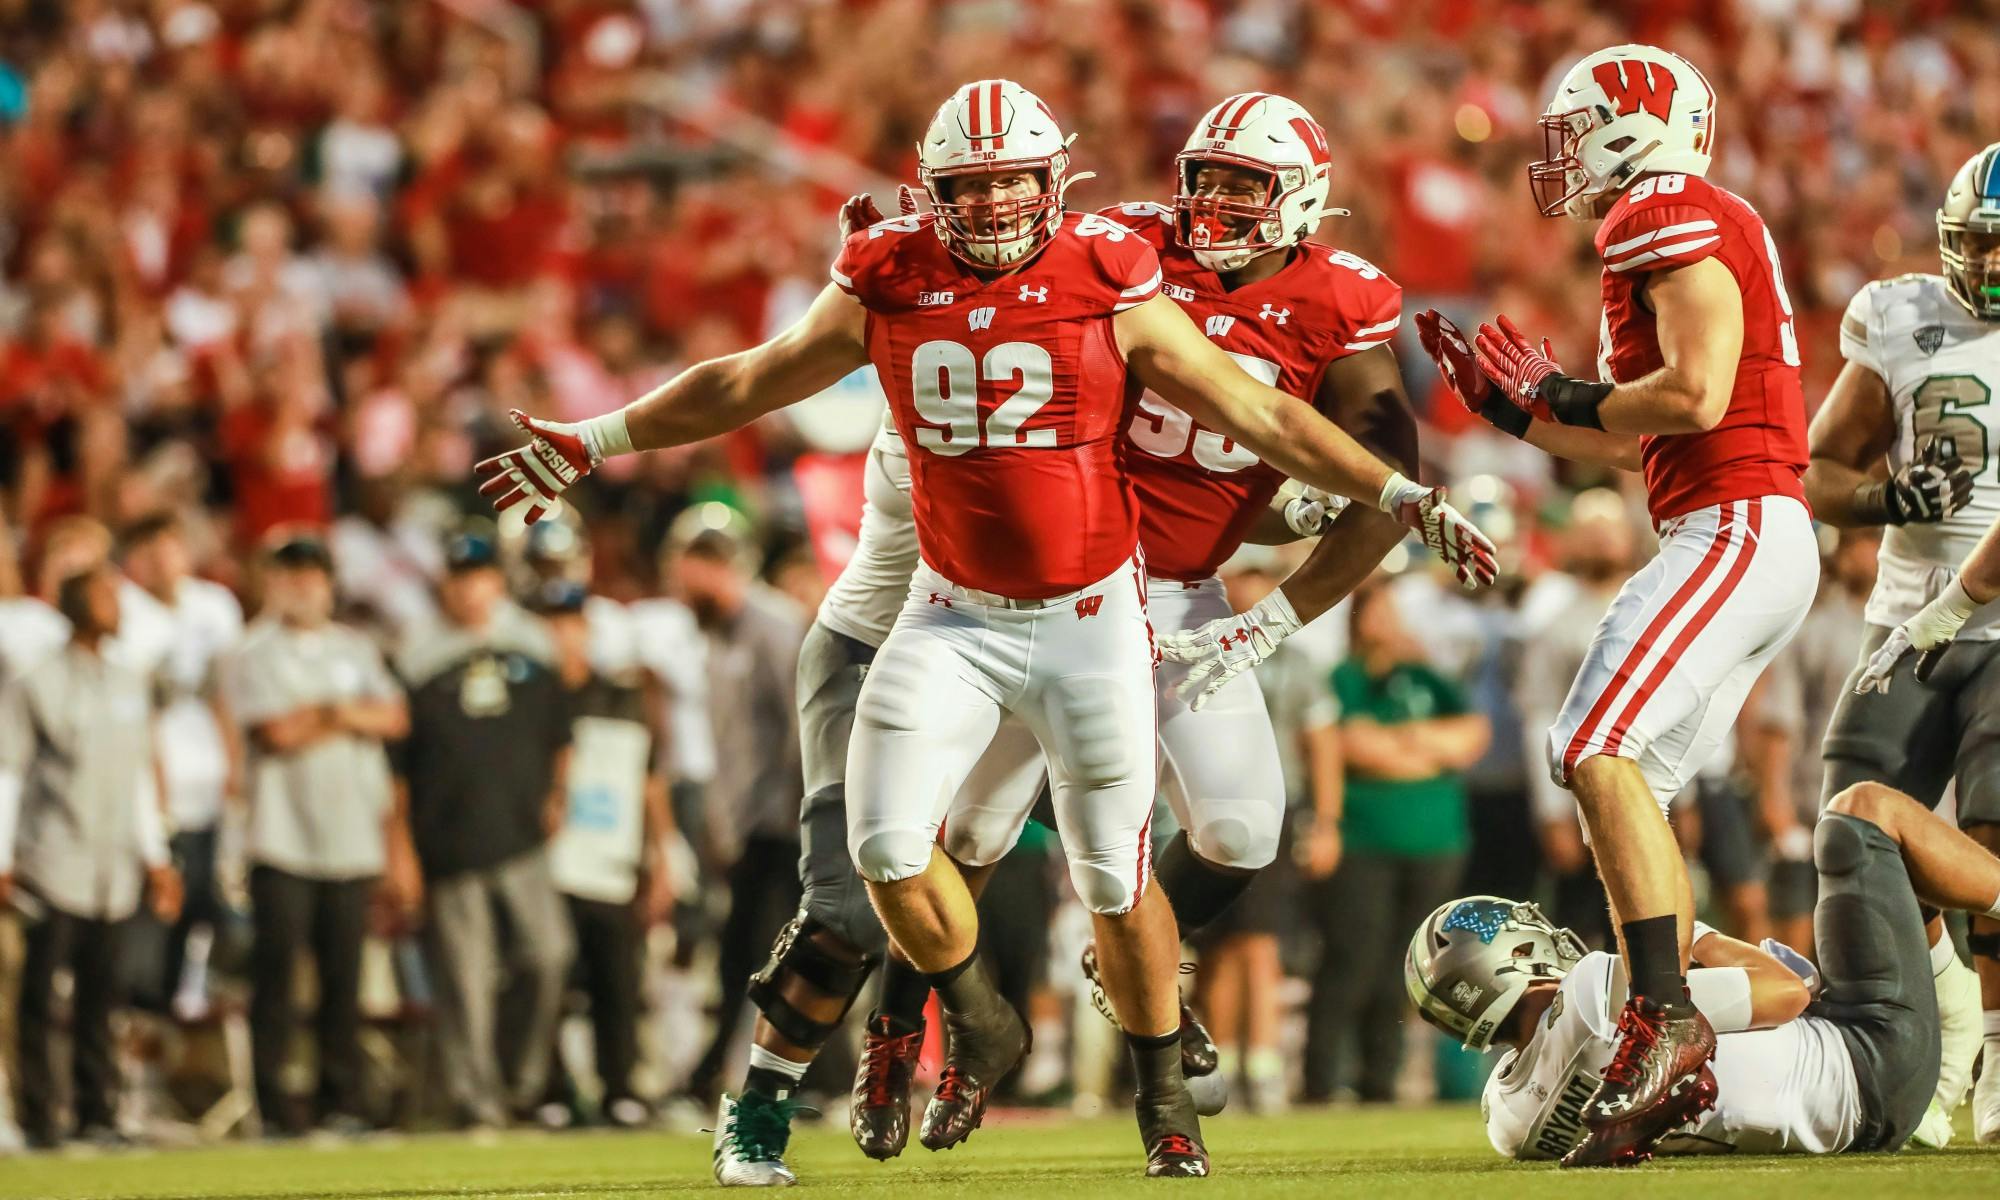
(1619, 112)
(1257, 132)
(987, 127)
(1972, 211)
(1473, 959)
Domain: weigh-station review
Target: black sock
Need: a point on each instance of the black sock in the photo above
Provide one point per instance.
(965, 988)
(1156, 1062)
(1197, 890)
(764, 1081)
(905, 991)
(1653, 945)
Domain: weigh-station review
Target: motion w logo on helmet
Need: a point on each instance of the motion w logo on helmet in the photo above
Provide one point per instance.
(1635, 85)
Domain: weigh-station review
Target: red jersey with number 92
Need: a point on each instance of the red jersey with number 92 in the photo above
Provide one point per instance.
(1759, 449)
(1011, 396)
(1199, 491)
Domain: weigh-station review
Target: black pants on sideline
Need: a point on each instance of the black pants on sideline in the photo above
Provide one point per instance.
(608, 944)
(764, 893)
(88, 948)
(194, 857)
(329, 917)
(1366, 912)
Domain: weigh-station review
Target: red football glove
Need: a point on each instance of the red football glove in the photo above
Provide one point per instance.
(1506, 358)
(1454, 358)
(538, 473)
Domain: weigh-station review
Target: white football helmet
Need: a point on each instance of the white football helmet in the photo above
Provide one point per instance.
(991, 126)
(1972, 211)
(1473, 959)
(1617, 113)
(1266, 134)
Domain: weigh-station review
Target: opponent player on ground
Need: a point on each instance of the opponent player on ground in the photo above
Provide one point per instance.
(1700, 390)
(1028, 599)
(1923, 361)
(1854, 1071)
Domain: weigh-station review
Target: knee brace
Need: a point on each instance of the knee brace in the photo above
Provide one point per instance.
(888, 855)
(1235, 841)
(801, 953)
(1840, 843)
(1103, 891)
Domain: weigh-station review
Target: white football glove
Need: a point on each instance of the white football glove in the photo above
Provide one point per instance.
(1308, 512)
(534, 477)
(1928, 633)
(1444, 529)
(1798, 964)
(1228, 646)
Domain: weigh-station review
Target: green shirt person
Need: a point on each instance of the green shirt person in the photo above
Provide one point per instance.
(1406, 734)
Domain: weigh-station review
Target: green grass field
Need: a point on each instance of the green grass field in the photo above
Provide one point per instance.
(1438, 1154)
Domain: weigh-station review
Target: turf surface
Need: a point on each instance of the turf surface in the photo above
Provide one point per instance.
(1436, 1154)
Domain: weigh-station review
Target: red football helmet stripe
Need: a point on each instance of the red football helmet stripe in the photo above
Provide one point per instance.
(1239, 114)
(993, 117)
(972, 124)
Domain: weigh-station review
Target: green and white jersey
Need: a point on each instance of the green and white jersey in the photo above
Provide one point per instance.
(1942, 368)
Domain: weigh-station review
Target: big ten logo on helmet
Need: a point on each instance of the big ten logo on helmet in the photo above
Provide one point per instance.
(1632, 85)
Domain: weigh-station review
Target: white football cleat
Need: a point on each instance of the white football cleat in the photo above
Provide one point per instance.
(750, 1138)
(1959, 1021)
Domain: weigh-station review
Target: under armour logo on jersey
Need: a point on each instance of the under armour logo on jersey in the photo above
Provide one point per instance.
(1088, 606)
(979, 318)
(1039, 295)
(1279, 313)
(927, 299)
(941, 598)
(1219, 326)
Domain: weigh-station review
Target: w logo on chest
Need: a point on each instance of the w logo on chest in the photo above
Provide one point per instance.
(1219, 326)
(979, 318)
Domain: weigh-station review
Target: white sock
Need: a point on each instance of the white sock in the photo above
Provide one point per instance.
(1227, 1059)
(1991, 1020)
(1943, 953)
(763, 1060)
(1993, 910)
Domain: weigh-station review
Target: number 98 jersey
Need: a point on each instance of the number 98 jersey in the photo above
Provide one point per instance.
(1667, 221)
(1941, 366)
(1010, 394)
(1198, 490)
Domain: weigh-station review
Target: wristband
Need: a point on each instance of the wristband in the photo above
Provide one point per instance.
(606, 436)
(1504, 415)
(1701, 930)
(1275, 615)
(1573, 401)
(1956, 600)
(1397, 491)
(1877, 504)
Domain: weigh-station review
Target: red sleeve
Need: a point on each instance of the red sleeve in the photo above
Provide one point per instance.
(1659, 233)
(1127, 263)
(1367, 304)
(849, 263)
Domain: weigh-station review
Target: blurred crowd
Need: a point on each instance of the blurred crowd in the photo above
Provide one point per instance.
(274, 272)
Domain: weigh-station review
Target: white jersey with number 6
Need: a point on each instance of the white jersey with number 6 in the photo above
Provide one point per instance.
(1790, 1089)
(1942, 367)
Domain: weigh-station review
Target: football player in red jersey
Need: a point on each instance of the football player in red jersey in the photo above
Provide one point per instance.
(1003, 330)
(1699, 389)
(1315, 322)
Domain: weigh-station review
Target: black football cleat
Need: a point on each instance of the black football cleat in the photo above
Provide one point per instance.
(1658, 1081)
(982, 1049)
(879, 1117)
(1172, 1133)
